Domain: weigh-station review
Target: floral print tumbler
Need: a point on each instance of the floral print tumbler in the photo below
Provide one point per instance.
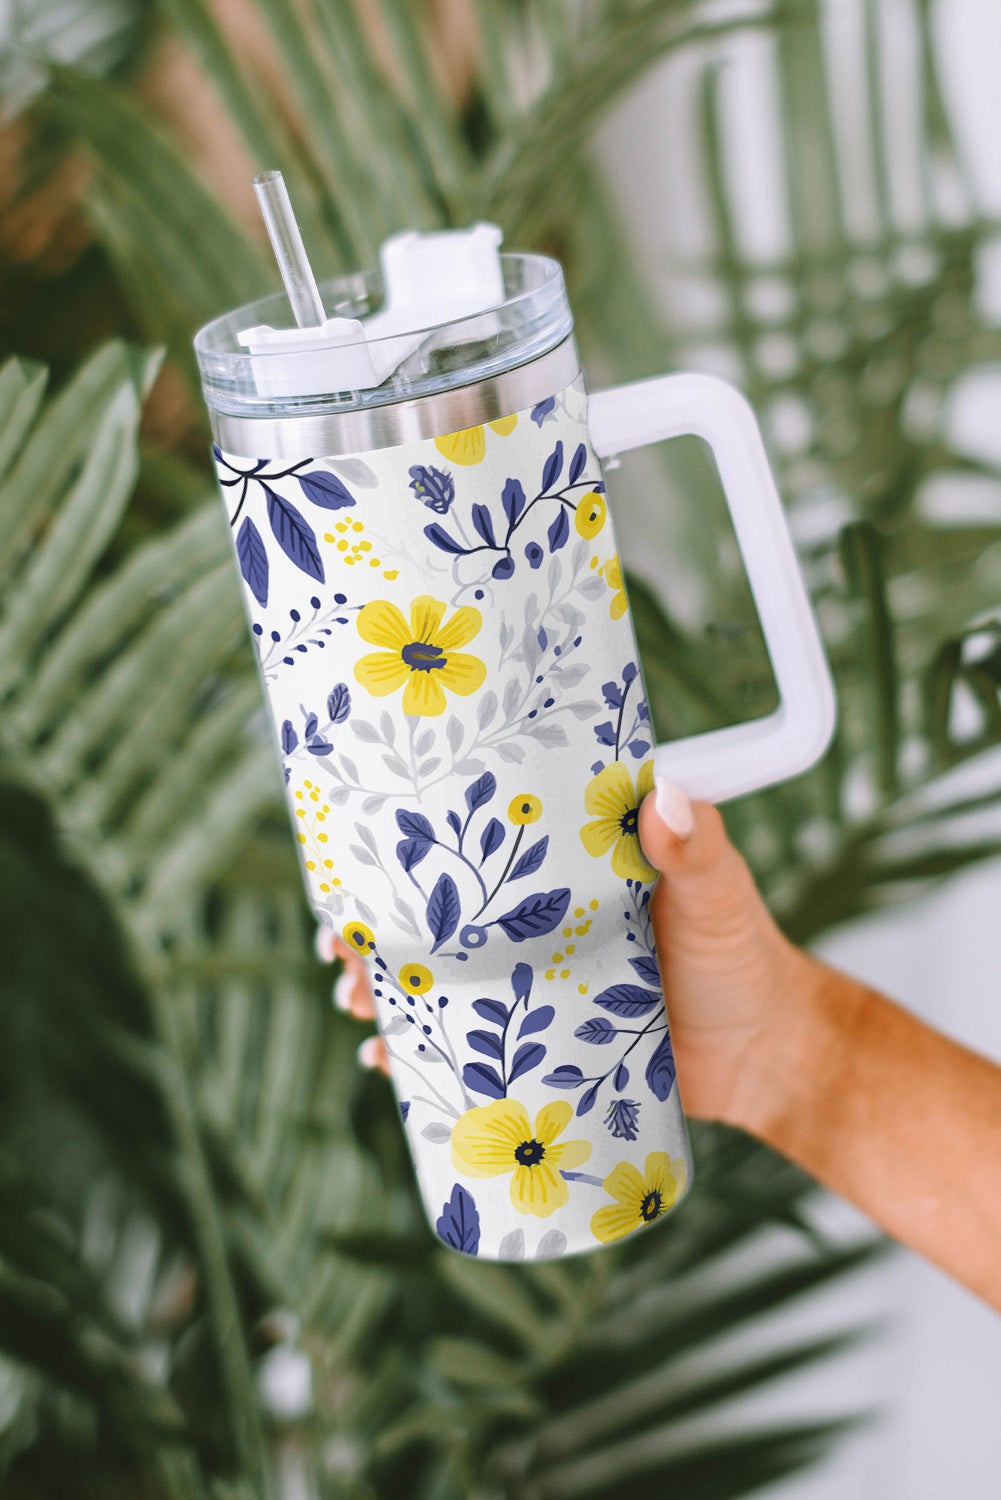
(419, 518)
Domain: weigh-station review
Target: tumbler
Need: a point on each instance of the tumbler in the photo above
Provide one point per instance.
(419, 518)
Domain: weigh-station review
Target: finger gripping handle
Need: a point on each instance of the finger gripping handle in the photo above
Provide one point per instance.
(729, 762)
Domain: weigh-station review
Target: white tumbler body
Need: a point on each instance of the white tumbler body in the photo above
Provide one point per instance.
(448, 654)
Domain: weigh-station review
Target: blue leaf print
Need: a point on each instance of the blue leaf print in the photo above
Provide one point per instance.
(481, 791)
(513, 500)
(660, 1069)
(536, 915)
(622, 1119)
(253, 560)
(543, 410)
(324, 490)
(567, 1077)
(596, 1030)
(586, 1101)
(484, 525)
(293, 534)
(621, 1076)
(535, 555)
(483, 1079)
(454, 822)
(410, 852)
(316, 746)
(638, 748)
(492, 1010)
(554, 465)
(525, 1059)
(434, 487)
(559, 531)
(289, 738)
(443, 911)
(536, 1020)
(531, 859)
(492, 837)
(502, 568)
(612, 694)
(404, 1109)
(647, 969)
(605, 733)
(577, 464)
(486, 1041)
(443, 541)
(312, 723)
(415, 825)
(459, 1225)
(521, 982)
(628, 1000)
(339, 703)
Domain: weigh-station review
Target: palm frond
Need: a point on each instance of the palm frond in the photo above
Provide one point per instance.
(206, 1082)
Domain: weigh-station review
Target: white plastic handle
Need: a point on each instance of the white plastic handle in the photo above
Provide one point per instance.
(729, 762)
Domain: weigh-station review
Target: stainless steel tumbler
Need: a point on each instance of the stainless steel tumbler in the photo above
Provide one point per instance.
(419, 518)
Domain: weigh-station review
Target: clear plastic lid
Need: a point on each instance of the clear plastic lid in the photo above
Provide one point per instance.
(280, 375)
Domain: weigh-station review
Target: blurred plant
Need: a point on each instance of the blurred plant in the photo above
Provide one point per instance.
(215, 1283)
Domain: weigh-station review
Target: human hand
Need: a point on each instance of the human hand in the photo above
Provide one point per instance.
(353, 993)
(733, 984)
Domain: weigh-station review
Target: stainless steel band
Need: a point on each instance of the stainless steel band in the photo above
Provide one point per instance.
(370, 428)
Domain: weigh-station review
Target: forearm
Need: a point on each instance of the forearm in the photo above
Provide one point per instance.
(891, 1115)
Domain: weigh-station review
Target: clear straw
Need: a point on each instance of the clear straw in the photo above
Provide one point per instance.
(290, 252)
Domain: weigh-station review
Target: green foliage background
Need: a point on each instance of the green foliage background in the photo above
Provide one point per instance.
(201, 1200)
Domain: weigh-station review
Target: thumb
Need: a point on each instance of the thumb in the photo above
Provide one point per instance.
(704, 878)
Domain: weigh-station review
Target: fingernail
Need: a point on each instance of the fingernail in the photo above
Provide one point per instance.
(342, 991)
(371, 1052)
(674, 809)
(324, 945)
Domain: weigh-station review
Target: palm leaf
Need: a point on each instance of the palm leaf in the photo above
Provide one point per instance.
(265, 1163)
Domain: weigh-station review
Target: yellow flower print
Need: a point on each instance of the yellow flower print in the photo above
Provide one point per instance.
(494, 1139)
(589, 517)
(469, 445)
(611, 571)
(359, 937)
(415, 979)
(525, 809)
(422, 655)
(615, 805)
(640, 1200)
